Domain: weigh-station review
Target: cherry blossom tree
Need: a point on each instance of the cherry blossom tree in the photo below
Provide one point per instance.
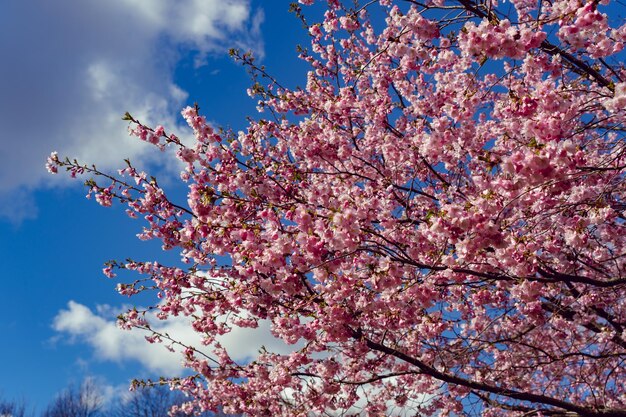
(435, 221)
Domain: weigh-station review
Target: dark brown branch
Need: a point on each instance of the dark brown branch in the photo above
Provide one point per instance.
(578, 66)
(484, 387)
(558, 276)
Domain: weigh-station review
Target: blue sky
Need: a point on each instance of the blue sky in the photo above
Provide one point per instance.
(69, 70)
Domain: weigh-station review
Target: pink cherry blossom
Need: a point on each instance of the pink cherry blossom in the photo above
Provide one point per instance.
(433, 224)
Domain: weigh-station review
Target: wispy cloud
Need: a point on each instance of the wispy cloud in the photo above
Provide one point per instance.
(110, 343)
(79, 324)
(70, 69)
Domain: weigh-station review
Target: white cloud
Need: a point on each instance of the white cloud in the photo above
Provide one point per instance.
(109, 343)
(99, 330)
(71, 69)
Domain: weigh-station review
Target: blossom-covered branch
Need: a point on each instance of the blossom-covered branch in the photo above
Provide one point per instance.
(435, 221)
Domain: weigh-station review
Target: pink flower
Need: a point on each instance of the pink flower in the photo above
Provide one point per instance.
(52, 163)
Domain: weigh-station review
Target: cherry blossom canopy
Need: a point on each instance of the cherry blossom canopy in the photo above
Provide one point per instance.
(435, 221)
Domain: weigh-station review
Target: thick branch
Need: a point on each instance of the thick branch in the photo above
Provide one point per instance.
(578, 66)
(484, 387)
(559, 276)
